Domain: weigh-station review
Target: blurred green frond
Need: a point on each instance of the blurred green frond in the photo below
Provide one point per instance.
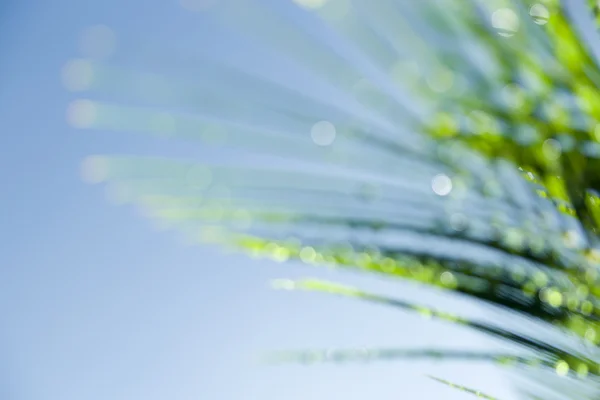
(563, 361)
(455, 146)
(366, 355)
(464, 389)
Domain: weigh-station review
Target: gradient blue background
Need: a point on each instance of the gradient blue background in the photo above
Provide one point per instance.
(95, 304)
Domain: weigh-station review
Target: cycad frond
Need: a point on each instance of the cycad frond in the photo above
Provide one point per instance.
(454, 146)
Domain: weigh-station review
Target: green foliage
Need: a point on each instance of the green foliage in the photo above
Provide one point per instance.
(469, 161)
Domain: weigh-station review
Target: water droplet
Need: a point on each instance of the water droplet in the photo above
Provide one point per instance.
(554, 298)
(562, 368)
(505, 21)
(441, 185)
(308, 255)
(582, 370)
(448, 279)
(323, 133)
(590, 334)
(539, 13)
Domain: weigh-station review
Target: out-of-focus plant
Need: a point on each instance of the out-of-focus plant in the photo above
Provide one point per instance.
(453, 143)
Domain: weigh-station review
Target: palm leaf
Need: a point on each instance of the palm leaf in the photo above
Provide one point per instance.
(455, 146)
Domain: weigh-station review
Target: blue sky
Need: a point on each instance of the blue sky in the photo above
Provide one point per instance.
(96, 304)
